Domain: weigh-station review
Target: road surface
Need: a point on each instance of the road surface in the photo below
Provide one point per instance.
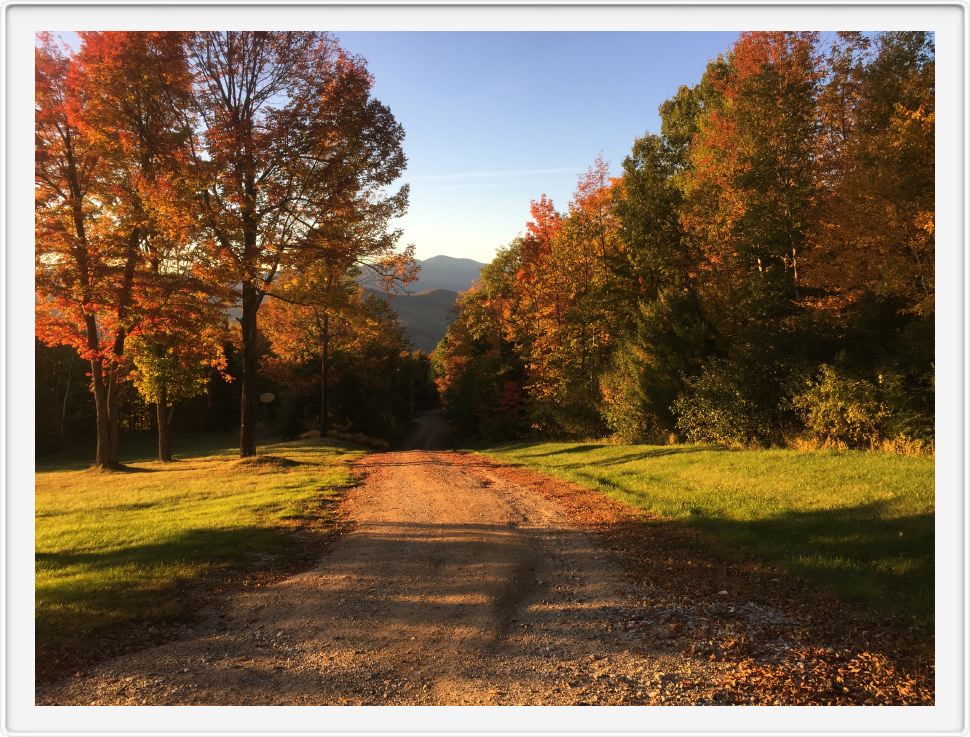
(463, 581)
(454, 587)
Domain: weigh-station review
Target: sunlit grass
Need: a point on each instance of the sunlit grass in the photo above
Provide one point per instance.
(857, 524)
(114, 547)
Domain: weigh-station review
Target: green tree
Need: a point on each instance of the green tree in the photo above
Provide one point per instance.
(172, 367)
(651, 365)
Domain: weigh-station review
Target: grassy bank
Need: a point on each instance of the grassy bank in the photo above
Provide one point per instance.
(117, 548)
(857, 524)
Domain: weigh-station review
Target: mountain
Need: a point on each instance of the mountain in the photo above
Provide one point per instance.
(445, 272)
(425, 316)
(426, 312)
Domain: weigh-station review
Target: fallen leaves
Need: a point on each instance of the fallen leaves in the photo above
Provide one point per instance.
(784, 642)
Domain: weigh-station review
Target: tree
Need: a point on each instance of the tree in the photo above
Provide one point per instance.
(647, 206)
(309, 312)
(876, 227)
(479, 365)
(576, 328)
(175, 350)
(749, 190)
(294, 157)
(651, 364)
(109, 137)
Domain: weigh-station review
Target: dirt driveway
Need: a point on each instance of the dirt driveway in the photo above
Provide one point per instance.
(455, 587)
(466, 582)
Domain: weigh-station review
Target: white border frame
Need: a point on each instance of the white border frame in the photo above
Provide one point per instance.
(20, 19)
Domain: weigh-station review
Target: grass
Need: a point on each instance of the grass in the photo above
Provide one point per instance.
(141, 447)
(116, 548)
(859, 525)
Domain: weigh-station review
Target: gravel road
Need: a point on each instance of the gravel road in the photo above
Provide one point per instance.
(465, 581)
(454, 587)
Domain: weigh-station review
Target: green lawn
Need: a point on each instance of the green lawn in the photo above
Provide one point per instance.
(113, 548)
(857, 524)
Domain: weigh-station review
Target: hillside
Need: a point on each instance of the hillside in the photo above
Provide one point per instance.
(425, 316)
(445, 272)
(426, 312)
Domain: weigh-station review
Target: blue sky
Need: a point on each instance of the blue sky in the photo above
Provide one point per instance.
(493, 120)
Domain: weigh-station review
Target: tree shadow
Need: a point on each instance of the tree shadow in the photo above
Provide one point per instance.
(96, 603)
(139, 448)
(477, 587)
(865, 554)
(646, 452)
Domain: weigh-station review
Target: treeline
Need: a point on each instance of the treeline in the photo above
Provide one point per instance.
(761, 273)
(181, 177)
(376, 380)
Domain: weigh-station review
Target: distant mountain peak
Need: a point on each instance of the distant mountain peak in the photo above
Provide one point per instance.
(446, 272)
(441, 259)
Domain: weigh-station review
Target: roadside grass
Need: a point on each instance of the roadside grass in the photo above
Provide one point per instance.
(118, 548)
(857, 524)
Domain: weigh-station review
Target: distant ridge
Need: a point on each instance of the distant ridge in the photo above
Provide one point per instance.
(425, 316)
(446, 272)
(426, 311)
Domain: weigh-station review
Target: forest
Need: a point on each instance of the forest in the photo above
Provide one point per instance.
(204, 205)
(760, 274)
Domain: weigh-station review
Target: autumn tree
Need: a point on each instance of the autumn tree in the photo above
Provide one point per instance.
(176, 348)
(110, 133)
(480, 364)
(576, 330)
(310, 313)
(370, 381)
(294, 154)
(876, 229)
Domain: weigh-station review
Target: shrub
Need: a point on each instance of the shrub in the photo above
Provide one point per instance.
(715, 408)
(838, 409)
(909, 404)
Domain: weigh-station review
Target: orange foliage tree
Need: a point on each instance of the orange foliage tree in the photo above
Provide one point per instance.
(110, 139)
(293, 157)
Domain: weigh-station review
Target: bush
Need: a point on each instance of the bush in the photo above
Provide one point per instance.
(909, 403)
(838, 409)
(715, 408)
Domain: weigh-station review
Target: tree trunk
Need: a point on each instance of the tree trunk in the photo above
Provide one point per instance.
(115, 369)
(67, 391)
(164, 438)
(114, 417)
(247, 408)
(325, 378)
(102, 456)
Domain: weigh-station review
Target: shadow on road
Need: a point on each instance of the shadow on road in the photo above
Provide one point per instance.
(430, 432)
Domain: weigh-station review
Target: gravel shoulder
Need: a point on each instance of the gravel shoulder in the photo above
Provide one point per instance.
(464, 581)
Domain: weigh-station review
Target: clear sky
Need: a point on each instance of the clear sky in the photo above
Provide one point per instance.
(494, 120)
